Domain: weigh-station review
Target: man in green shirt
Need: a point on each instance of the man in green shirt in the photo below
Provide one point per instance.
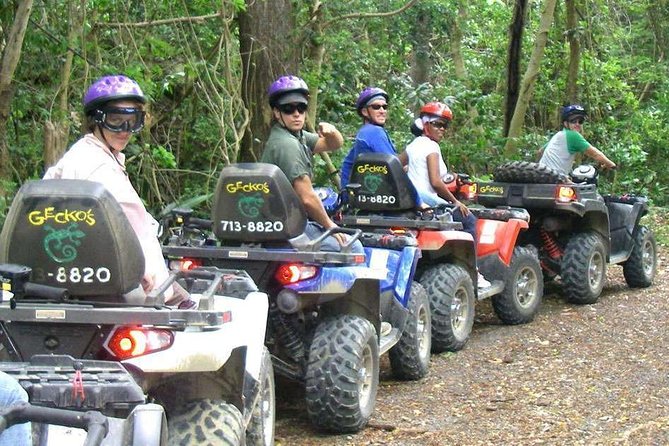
(559, 153)
(292, 149)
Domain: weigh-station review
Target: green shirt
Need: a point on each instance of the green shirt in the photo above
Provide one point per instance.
(561, 150)
(292, 153)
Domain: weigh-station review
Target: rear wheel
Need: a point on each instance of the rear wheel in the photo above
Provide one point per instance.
(451, 294)
(206, 422)
(342, 374)
(639, 270)
(410, 357)
(523, 289)
(260, 431)
(583, 269)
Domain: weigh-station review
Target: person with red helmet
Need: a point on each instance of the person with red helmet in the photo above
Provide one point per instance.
(292, 149)
(427, 167)
(114, 109)
(561, 150)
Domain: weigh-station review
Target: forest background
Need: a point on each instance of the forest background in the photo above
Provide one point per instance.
(504, 67)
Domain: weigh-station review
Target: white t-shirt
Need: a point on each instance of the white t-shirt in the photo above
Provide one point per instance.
(417, 151)
(90, 159)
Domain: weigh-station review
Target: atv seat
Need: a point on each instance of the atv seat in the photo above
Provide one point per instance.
(74, 235)
(502, 213)
(255, 203)
(384, 186)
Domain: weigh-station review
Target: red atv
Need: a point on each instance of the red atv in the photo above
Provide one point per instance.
(382, 197)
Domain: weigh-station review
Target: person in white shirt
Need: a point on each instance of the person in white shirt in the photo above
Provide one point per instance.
(114, 109)
(427, 167)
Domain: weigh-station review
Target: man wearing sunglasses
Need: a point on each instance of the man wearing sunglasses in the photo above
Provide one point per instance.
(372, 106)
(114, 109)
(292, 149)
(561, 150)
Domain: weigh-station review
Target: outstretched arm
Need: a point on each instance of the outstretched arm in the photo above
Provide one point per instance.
(329, 138)
(598, 156)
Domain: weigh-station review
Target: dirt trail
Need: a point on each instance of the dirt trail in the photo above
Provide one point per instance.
(591, 375)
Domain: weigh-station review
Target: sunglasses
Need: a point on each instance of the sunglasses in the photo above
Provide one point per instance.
(576, 121)
(441, 125)
(121, 119)
(289, 109)
(379, 106)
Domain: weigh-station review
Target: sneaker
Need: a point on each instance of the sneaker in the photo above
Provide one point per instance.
(385, 328)
(482, 282)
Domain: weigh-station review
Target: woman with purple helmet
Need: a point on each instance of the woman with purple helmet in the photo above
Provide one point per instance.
(292, 149)
(114, 109)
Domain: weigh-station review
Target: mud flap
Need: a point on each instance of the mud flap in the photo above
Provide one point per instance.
(363, 299)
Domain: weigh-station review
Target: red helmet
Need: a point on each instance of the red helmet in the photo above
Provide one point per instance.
(438, 109)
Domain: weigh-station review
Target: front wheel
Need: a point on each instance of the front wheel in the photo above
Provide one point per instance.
(451, 292)
(206, 422)
(583, 269)
(523, 288)
(342, 374)
(639, 270)
(260, 431)
(410, 357)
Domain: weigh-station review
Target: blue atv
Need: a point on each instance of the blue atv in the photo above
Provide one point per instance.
(379, 198)
(332, 314)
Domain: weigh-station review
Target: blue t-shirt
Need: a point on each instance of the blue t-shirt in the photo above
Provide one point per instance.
(370, 139)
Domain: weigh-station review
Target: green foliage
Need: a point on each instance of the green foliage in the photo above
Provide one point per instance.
(191, 72)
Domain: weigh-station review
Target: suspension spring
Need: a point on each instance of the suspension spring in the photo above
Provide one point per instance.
(550, 245)
(286, 335)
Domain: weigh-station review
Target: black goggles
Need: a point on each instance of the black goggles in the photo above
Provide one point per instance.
(121, 119)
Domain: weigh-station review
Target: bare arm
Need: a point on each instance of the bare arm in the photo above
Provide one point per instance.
(598, 156)
(404, 158)
(439, 186)
(329, 138)
(312, 204)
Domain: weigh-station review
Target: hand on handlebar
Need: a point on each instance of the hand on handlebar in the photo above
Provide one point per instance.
(463, 208)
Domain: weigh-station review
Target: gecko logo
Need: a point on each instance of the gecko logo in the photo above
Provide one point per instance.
(372, 183)
(250, 205)
(61, 245)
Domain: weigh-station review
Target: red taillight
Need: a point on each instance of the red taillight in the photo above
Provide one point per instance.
(184, 264)
(130, 342)
(565, 194)
(294, 272)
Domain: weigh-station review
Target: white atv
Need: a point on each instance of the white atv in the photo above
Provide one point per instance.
(69, 262)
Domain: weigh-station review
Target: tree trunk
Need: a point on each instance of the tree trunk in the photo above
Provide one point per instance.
(421, 31)
(10, 60)
(514, 57)
(56, 133)
(316, 58)
(266, 31)
(574, 51)
(530, 77)
(455, 34)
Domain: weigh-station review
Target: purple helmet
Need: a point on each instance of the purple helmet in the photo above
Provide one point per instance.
(287, 84)
(111, 88)
(367, 94)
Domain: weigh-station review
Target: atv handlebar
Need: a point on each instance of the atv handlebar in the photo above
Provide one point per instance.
(93, 422)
